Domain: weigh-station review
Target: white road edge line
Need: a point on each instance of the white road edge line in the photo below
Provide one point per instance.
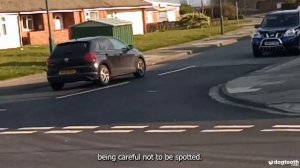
(286, 126)
(165, 131)
(34, 128)
(1, 110)
(80, 127)
(130, 127)
(234, 126)
(93, 90)
(222, 130)
(179, 126)
(182, 69)
(280, 130)
(17, 132)
(112, 131)
(63, 132)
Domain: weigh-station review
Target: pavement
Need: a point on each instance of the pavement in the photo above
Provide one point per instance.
(158, 56)
(275, 87)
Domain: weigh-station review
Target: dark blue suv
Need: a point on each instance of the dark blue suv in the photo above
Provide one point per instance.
(278, 32)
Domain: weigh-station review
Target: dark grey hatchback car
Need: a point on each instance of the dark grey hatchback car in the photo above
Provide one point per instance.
(93, 59)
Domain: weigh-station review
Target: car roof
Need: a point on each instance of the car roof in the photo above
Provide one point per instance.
(284, 12)
(86, 39)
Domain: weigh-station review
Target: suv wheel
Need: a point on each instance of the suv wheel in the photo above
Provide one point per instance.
(257, 53)
(104, 75)
(140, 68)
(57, 86)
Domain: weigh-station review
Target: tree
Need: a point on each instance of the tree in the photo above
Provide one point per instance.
(185, 9)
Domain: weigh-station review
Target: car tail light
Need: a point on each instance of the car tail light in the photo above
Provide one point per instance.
(90, 57)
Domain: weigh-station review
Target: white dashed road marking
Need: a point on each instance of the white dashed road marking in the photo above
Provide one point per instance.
(165, 131)
(280, 130)
(233, 126)
(93, 90)
(179, 126)
(3, 110)
(17, 132)
(35, 128)
(80, 127)
(112, 131)
(286, 126)
(222, 130)
(130, 127)
(178, 70)
(63, 132)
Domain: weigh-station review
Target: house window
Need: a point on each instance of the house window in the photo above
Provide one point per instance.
(27, 22)
(92, 15)
(111, 14)
(3, 30)
(58, 21)
(163, 16)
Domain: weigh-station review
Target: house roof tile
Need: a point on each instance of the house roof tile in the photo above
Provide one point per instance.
(40, 5)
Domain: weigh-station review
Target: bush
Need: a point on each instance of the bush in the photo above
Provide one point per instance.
(195, 20)
(186, 9)
(229, 11)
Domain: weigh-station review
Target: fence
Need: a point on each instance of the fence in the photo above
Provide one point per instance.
(162, 26)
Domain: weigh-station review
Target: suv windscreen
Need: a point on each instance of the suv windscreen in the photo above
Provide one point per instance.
(281, 20)
(72, 49)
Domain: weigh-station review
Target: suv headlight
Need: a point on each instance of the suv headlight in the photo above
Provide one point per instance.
(257, 35)
(290, 33)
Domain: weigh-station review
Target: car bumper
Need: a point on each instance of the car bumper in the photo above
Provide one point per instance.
(284, 44)
(90, 76)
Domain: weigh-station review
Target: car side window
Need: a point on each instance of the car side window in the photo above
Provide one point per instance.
(118, 45)
(105, 44)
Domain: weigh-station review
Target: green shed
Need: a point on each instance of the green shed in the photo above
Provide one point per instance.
(119, 29)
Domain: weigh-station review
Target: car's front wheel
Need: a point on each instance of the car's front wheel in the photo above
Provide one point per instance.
(104, 75)
(140, 68)
(56, 86)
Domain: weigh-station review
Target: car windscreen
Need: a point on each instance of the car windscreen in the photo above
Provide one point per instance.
(72, 49)
(281, 20)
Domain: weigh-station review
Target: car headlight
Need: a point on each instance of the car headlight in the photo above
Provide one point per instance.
(290, 33)
(257, 35)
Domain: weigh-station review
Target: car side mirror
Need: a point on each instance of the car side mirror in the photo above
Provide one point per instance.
(130, 47)
(256, 26)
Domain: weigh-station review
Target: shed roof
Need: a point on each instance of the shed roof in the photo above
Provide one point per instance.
(103, 22)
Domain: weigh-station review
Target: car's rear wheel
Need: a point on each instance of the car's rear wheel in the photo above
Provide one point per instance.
(257, 53)
(57, 86)
(140, 68)
(104, 75)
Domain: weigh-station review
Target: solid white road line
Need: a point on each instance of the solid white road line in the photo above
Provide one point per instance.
(286, 126)
(93, 90)
(17, 132)
(35, 128)
(130, 127)
(233, 126)
(166, 131)
(80, 127)
(112, 131)
(63, 132)
(178, 70)
(179, 126)
(222, 130)
(3, 110)
(280, 130)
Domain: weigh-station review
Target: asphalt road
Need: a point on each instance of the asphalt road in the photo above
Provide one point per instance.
(168, 112)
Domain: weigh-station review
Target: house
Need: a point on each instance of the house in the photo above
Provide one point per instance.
(27, 19)
(9, 31)
(163, 10)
